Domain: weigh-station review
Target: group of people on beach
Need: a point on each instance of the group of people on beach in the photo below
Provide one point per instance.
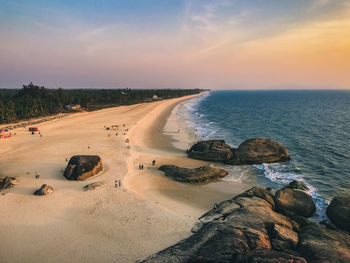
(117, 183)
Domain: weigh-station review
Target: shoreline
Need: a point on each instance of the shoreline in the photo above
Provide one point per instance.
(147, 213)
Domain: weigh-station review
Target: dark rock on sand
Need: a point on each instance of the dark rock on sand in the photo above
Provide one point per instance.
(7, 182)
(44, 190)
(211, 150)
(196, 175)
(338, 212)
(298, 185)
(82, 167)
(321, 245)
(94, 186)
(258, 151)
(294, 202)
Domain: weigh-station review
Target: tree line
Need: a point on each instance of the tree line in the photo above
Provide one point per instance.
(36, 101)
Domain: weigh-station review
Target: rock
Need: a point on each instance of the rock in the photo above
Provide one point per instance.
(318, 244)
(258, 151)
(196, 175)
(298, 185)
(272, 256)
(260, 192)
(211, 150)
(94, 186)
(285, 237)
(7, 182)
(338, 212)
(44, 190)
(294, 202)
(235, 232)
(82, 167)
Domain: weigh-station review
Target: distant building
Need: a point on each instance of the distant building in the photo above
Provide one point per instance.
(73, 107)
(155, 97)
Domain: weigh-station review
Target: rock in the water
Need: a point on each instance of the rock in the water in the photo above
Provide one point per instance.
(338, 212)
(82, 167)
(211, 150)
(294, 202)
(318, 244)
(94, 186)
(44, 190)
(7, 182)
(258, 151)
(298, 185)
(196, 175)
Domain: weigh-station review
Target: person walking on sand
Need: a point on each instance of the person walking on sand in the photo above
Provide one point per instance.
(116, 183)
(154, 162)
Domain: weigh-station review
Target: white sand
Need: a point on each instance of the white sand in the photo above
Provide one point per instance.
(148, 213)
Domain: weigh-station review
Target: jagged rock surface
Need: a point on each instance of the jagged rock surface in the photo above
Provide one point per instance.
(246, 229)
(196, 175)
(338, 212)
(44, 190)
(82, 167)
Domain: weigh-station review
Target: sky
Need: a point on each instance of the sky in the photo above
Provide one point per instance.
(218, 44)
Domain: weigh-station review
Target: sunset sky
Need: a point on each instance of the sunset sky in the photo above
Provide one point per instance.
(255, 44)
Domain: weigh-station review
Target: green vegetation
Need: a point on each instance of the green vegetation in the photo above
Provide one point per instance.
(34, 101)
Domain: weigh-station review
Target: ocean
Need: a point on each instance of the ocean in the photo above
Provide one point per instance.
(313, 125)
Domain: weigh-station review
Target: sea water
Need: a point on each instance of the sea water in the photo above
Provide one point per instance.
(313, 125)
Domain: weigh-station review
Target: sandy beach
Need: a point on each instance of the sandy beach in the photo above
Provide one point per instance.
(146, 214)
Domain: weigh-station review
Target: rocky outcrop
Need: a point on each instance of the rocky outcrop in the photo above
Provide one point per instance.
(7, 182)
(44, 190)
(338, 212)
(94, 186)
(322, 245)
(247, 229)
(251, 151)
(82, 167)
(211, 150)
(196, 175)
(293, 202)
(298, 185)
(258, 151)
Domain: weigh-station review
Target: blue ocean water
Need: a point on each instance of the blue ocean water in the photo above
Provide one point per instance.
(313, 125)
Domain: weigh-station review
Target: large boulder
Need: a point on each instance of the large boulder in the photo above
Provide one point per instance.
(82, 167)
(211, 150)
(196, 175)
(44, 190)
(7, 182)
(258, 151)
(320, 245)
(293, 202)
(338, 212)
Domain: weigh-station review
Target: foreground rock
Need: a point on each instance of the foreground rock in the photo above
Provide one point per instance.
(338, 212)
(7, 182)
(44, 190)
(94, 186)
(82, 167)
(211, 150)
(247, 229)
(251, 151)
(196, 175)
(293, 202)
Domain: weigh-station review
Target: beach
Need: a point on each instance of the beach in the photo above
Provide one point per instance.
(146, 214)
